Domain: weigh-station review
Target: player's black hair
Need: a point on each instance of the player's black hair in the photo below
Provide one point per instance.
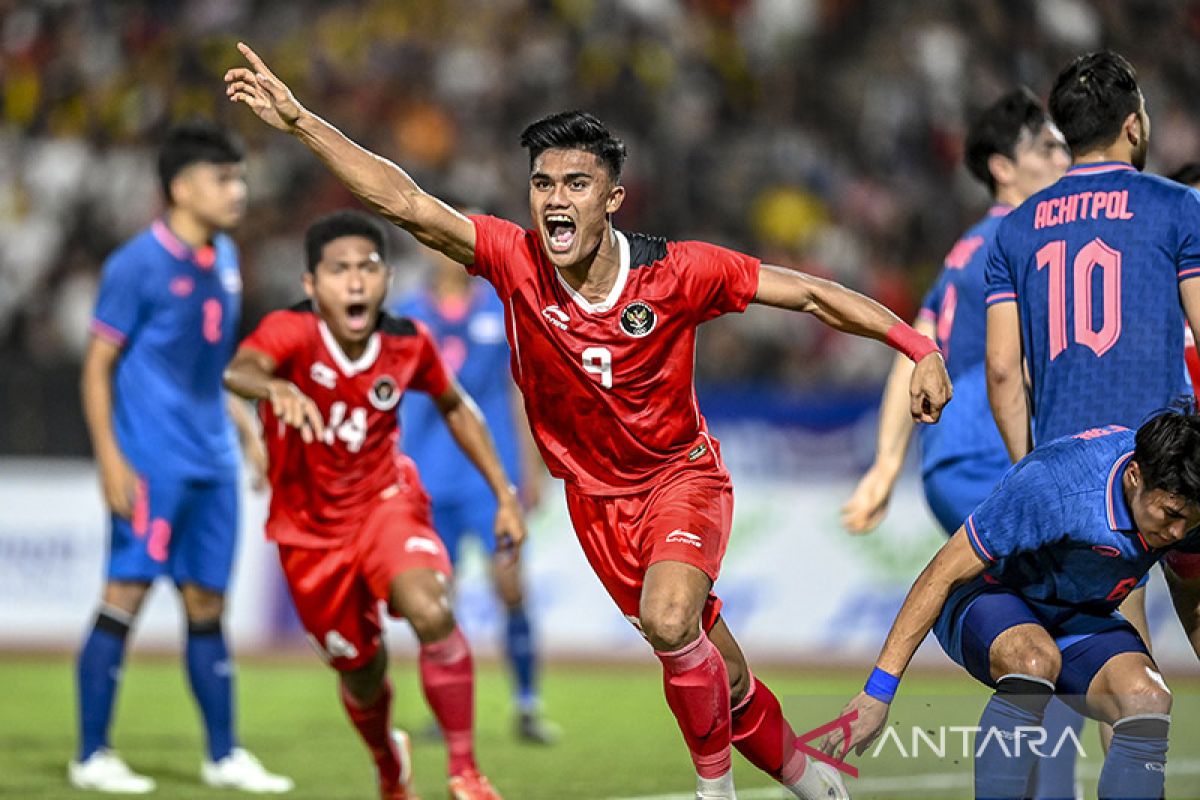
(200, 141)
(575, 130)
(998, 128)
(1188, 174)
(339, 224)
(1167, 448)
(1092, 97)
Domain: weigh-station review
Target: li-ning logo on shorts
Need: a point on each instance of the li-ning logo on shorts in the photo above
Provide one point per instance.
(337, 646)
(556, 316)
(323, 375)
(384, 393)
(683, 537)
(419, 544)
(697, 451)
(638, 319)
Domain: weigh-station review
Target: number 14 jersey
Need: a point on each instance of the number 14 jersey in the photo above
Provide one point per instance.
(321, 492)
(1094, 263)
(608, 386)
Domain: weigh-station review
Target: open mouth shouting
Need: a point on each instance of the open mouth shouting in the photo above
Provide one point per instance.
(357, 317)
(560, 231)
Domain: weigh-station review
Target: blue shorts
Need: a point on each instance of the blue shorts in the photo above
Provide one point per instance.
(977, 613)
(458, 519)
(184, 529)
(953, 490)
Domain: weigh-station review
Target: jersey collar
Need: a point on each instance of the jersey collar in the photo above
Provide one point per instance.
(349, 368)
(1120, 518)
(999, 210)
(204, 258)
(619, 286)
(1101, 166)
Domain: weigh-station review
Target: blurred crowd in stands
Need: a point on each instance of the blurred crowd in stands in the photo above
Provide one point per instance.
(820, 134)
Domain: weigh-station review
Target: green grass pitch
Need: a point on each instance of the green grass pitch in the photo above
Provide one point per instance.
(620, 739)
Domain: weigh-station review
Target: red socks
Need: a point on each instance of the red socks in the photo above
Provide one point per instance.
(448, 680)
(697, 688)
(374, 724)
(764, 737)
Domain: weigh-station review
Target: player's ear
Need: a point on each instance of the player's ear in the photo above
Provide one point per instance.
(616, 196)
(1003, 169)
(307, 280)
(1132, 128)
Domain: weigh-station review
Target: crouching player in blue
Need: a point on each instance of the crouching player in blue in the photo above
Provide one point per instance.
(1024, 598)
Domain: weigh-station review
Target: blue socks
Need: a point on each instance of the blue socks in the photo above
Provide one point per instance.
(1056, 773)
(99, 675)
(1137, 759)
(210, 672)
(1004, 759)
(518, 646)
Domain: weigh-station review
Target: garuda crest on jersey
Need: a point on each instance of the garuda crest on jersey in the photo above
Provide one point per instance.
(384, 393)
(638, 319)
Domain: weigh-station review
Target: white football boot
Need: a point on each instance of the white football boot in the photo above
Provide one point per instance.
(105, 771)
(242, 771)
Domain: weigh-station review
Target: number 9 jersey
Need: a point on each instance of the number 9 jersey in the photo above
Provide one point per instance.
(1095, 264)
(608, 386)
(321, 492)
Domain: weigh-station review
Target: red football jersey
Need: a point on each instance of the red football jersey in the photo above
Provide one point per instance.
(319, 491)
(608, 387)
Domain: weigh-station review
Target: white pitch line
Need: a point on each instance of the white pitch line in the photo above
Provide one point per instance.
(908, 784)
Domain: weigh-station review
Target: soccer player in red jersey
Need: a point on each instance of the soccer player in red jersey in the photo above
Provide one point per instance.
(348, 511)
(602, 326)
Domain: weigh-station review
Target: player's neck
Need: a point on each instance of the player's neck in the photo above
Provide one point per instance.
(1117, 151)
(1007, 196)
(594, 277)
(188, 229)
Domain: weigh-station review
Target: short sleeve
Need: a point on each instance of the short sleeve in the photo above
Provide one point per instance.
(1187, 263)
(1022, 514)
(120, 303)
(498, 246)
(717, 280)
(431, 375)
(1001, 286)
(278, 335)
(932, 303)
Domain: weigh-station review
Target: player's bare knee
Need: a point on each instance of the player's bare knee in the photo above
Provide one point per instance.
(126, 596)
(1145, 694)
(202, 605)
(1028, 656)
(430, 616)
(669, 626)
(365, 683)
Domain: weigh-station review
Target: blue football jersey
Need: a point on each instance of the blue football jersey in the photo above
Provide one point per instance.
(1059, 531)
(473, 346)
(174, 312)
(956, 306)
(1094, 262)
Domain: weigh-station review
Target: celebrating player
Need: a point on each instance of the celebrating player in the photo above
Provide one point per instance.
(602, 327)
(466, 318)
(1014, 150)
(1024, 598)
(157, 414)
(347, 508)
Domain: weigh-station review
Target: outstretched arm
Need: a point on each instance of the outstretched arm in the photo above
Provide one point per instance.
(850, 312)
(955, 564)
(373, 179)
(467, 425)
(867, 506)
(251, 374)
(1006, 379)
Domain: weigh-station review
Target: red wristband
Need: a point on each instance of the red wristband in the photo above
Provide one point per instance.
(904, 338)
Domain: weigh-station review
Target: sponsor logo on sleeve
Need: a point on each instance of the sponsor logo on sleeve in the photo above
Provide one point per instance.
(556, 316)
(420, 544)
(683, 537)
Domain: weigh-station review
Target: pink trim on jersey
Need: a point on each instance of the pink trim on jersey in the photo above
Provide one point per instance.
(927, 315)
(1109, 499)
(999, 297)
(107, 332)
(1096, 169)
(1142, 539)
(1190, 272)
(974, 534)
(999, 210)
(170, 242)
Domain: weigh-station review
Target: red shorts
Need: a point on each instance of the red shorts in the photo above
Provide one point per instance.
(337, 590)
(687, 518)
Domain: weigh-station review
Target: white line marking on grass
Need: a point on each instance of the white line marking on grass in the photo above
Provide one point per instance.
(909, 784)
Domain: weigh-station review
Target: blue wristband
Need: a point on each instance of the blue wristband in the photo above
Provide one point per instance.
(882, 685)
